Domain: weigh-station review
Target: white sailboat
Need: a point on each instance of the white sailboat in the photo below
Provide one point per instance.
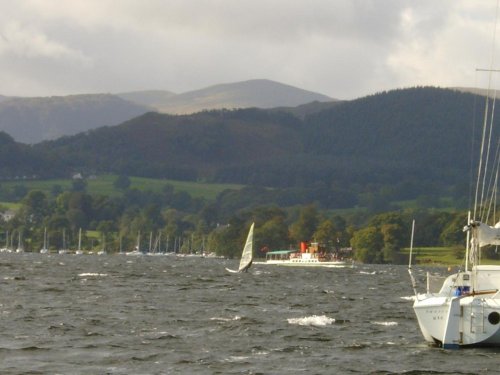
(103, 250)
(44, 249)
(20, 248)
(247, 254)
(79, 251)
(137, 250)
(64, 250)
(6, 249)
(121, 249)
(155, 248)
(466, 310)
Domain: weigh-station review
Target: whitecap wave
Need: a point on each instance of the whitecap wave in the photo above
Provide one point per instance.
(368, 273)
(92, 274)
(235, 358)
(314, 320)
(408, 298)
(236, 317)
(387, 324)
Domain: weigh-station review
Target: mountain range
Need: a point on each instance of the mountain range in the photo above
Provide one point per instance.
(32, 120)
(260, 93)
(397, 145)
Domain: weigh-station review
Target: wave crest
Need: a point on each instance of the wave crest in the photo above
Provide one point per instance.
(314, 320)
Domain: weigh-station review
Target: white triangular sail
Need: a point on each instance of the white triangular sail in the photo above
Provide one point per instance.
(247, 254)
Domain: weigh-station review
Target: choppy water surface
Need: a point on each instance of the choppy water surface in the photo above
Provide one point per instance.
(115, 314)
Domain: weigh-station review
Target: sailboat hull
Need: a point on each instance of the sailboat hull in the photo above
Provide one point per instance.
(458, 317)
(474, 322)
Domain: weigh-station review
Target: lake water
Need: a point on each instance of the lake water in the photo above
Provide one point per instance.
(115, 314)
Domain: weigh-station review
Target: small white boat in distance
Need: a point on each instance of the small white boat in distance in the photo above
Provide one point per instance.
(20, 248)
(64, 250)
(6, 248)
(134, 252)
(137, 249)
(79, 251)
(44, 249)
(247, 254)
(103, 250)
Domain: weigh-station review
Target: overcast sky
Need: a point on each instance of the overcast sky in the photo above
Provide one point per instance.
(341, 48)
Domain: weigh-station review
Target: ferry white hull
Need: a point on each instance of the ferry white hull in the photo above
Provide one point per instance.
(306, 263)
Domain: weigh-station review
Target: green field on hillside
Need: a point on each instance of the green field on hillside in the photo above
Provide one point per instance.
(435, 255)
(446, 256)
(103, 185)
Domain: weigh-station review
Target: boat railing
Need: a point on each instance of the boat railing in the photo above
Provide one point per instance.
(434, 282)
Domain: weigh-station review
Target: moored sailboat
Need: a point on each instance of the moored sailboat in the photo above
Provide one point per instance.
(103, 250)
(137, 249)
(20, 248)
(6, 249)
(63, 250)
(44, 249)
(466, 310)
(79, 250)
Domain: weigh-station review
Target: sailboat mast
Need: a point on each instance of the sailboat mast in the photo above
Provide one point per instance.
(411, 242)
(413, 282)
(79, 239)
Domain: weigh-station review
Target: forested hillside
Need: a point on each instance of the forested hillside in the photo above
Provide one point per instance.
(402, 144)
(19, 160)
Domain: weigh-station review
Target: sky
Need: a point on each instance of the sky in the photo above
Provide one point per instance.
(341, 48)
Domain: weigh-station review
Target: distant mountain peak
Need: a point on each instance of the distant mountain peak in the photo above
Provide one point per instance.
(260, 93)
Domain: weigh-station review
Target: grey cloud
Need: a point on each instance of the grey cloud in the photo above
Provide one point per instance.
(342, 48)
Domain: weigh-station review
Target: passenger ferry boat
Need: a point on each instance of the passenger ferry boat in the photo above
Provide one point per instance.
(311, 255)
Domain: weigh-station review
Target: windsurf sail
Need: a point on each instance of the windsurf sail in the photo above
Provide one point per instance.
(247, 254)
